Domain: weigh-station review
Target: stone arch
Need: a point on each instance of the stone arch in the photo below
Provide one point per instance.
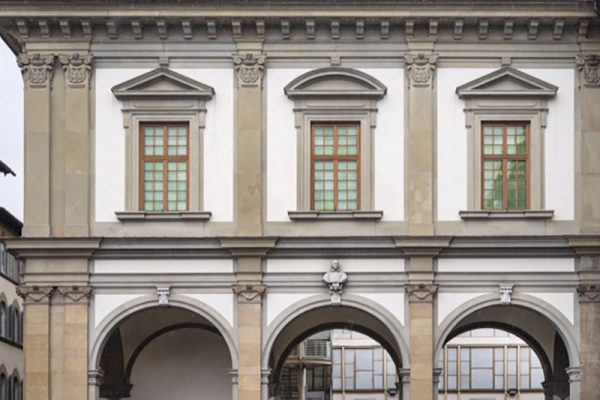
(303, 318)
(118, 315)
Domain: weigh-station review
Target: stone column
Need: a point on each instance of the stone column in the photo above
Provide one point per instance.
(36, 341)
(574, 383)
(94, 382)
(420, 67)
(404, 384)
(77, 68)
(37, 72)
(589, 317)
(249, 67)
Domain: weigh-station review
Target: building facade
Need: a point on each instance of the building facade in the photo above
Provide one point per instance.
(207, 185)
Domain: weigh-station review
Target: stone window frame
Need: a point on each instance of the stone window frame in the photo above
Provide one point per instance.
(335, 95)
(163, 96)
(506, 95)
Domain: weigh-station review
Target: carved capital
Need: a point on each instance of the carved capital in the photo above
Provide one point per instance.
(95, 377)
(249, 293)
(36, 69)
(588, 293)
(589, 69)
(420, 68)
(421, 293)
(249, 68)
(35, 294)
(78, 69)
(574, 374)
(75, 294)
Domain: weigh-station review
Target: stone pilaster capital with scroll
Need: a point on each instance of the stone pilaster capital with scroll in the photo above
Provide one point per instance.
(420, 68)
(249, 293)
(78, 69)
(249, 68)
(589, 293)
(75, 294)
(420, 292)
(589, 69)
(37, 69)
(35, 294)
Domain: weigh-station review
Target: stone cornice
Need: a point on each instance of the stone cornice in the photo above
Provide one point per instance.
(248, 247)
(52, 248)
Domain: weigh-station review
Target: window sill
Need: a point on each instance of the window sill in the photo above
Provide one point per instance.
(506, 214)
(335, 215)
(11, 342)
(139, 216)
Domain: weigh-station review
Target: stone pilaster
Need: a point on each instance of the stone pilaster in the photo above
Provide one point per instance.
(420, 68)
(249, 69)
(77, 69)
(37, 72)
(589, 306)
(36, 340)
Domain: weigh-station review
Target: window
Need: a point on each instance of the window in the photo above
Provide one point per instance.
(164, 116)
(335, 116)
(164, 183)
(504, 165)
(335, 166)
(505, 117)
(362, 369)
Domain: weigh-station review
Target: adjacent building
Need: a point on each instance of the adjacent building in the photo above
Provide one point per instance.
(208, 185)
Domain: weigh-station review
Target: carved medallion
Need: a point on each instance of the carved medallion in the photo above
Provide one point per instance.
(249, 68)
(77, 69)
(420, 68)
(36, 69)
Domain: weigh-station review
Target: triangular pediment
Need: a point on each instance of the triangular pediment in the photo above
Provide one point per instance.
(162, 82)
(504, 82)
(335, 82)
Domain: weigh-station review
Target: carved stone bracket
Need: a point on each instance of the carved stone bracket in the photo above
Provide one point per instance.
(78, 69)
(589, 293)
(35, 294)
(420, 68)
(249, 68)
(75, 294)
(36, 69)
(249, 293)
(505, 293)
(589, 69)
(421, 293)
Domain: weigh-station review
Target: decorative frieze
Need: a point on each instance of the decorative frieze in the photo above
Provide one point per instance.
(249, 293)
(35, 294)
(249, 68)
(421, 293)
(37, 69)
(75, 294)
(589, 69)
(588, 293)
(420, 68)
(78, 69)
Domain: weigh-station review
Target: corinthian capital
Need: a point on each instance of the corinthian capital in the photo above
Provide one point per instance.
(36, 69)
(589, 69)
(420, 68)
(249, 68)
(78, 69)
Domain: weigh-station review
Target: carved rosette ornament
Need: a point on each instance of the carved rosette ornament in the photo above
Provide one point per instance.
(75, 294)
(420, 68)
(36, 69)
(249, 293)
(588, 293)
(78, 69)
(420, 293)
(35, 294)
(249, 69)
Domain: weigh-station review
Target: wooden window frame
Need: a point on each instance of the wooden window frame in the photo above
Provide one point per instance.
(165, 159)
(335, 158)
(505, 157)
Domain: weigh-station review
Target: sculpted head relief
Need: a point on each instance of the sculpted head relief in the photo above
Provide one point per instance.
(335, 279)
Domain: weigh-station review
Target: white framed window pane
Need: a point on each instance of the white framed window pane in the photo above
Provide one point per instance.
(482, 379)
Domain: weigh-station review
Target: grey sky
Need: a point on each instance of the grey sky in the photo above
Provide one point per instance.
(11, 132)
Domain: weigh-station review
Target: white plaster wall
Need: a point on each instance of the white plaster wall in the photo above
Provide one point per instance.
(452, 142)
(393, 302)
(388, 162)
(563, 302)
(218, 143)
(186, 364)
(277, 302)
(448, 302)
(220, 302)
(163, 266)
(104, 304)
(313, 265)
(488, 265)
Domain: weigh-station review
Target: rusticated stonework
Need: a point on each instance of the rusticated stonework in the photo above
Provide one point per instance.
(420, 68)
(75, 294)
(249, 69)
(420, 293)
(249, 293)
(36, 69)
(35, 294)
(78, 69)
(589, 293)
(589, 69)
